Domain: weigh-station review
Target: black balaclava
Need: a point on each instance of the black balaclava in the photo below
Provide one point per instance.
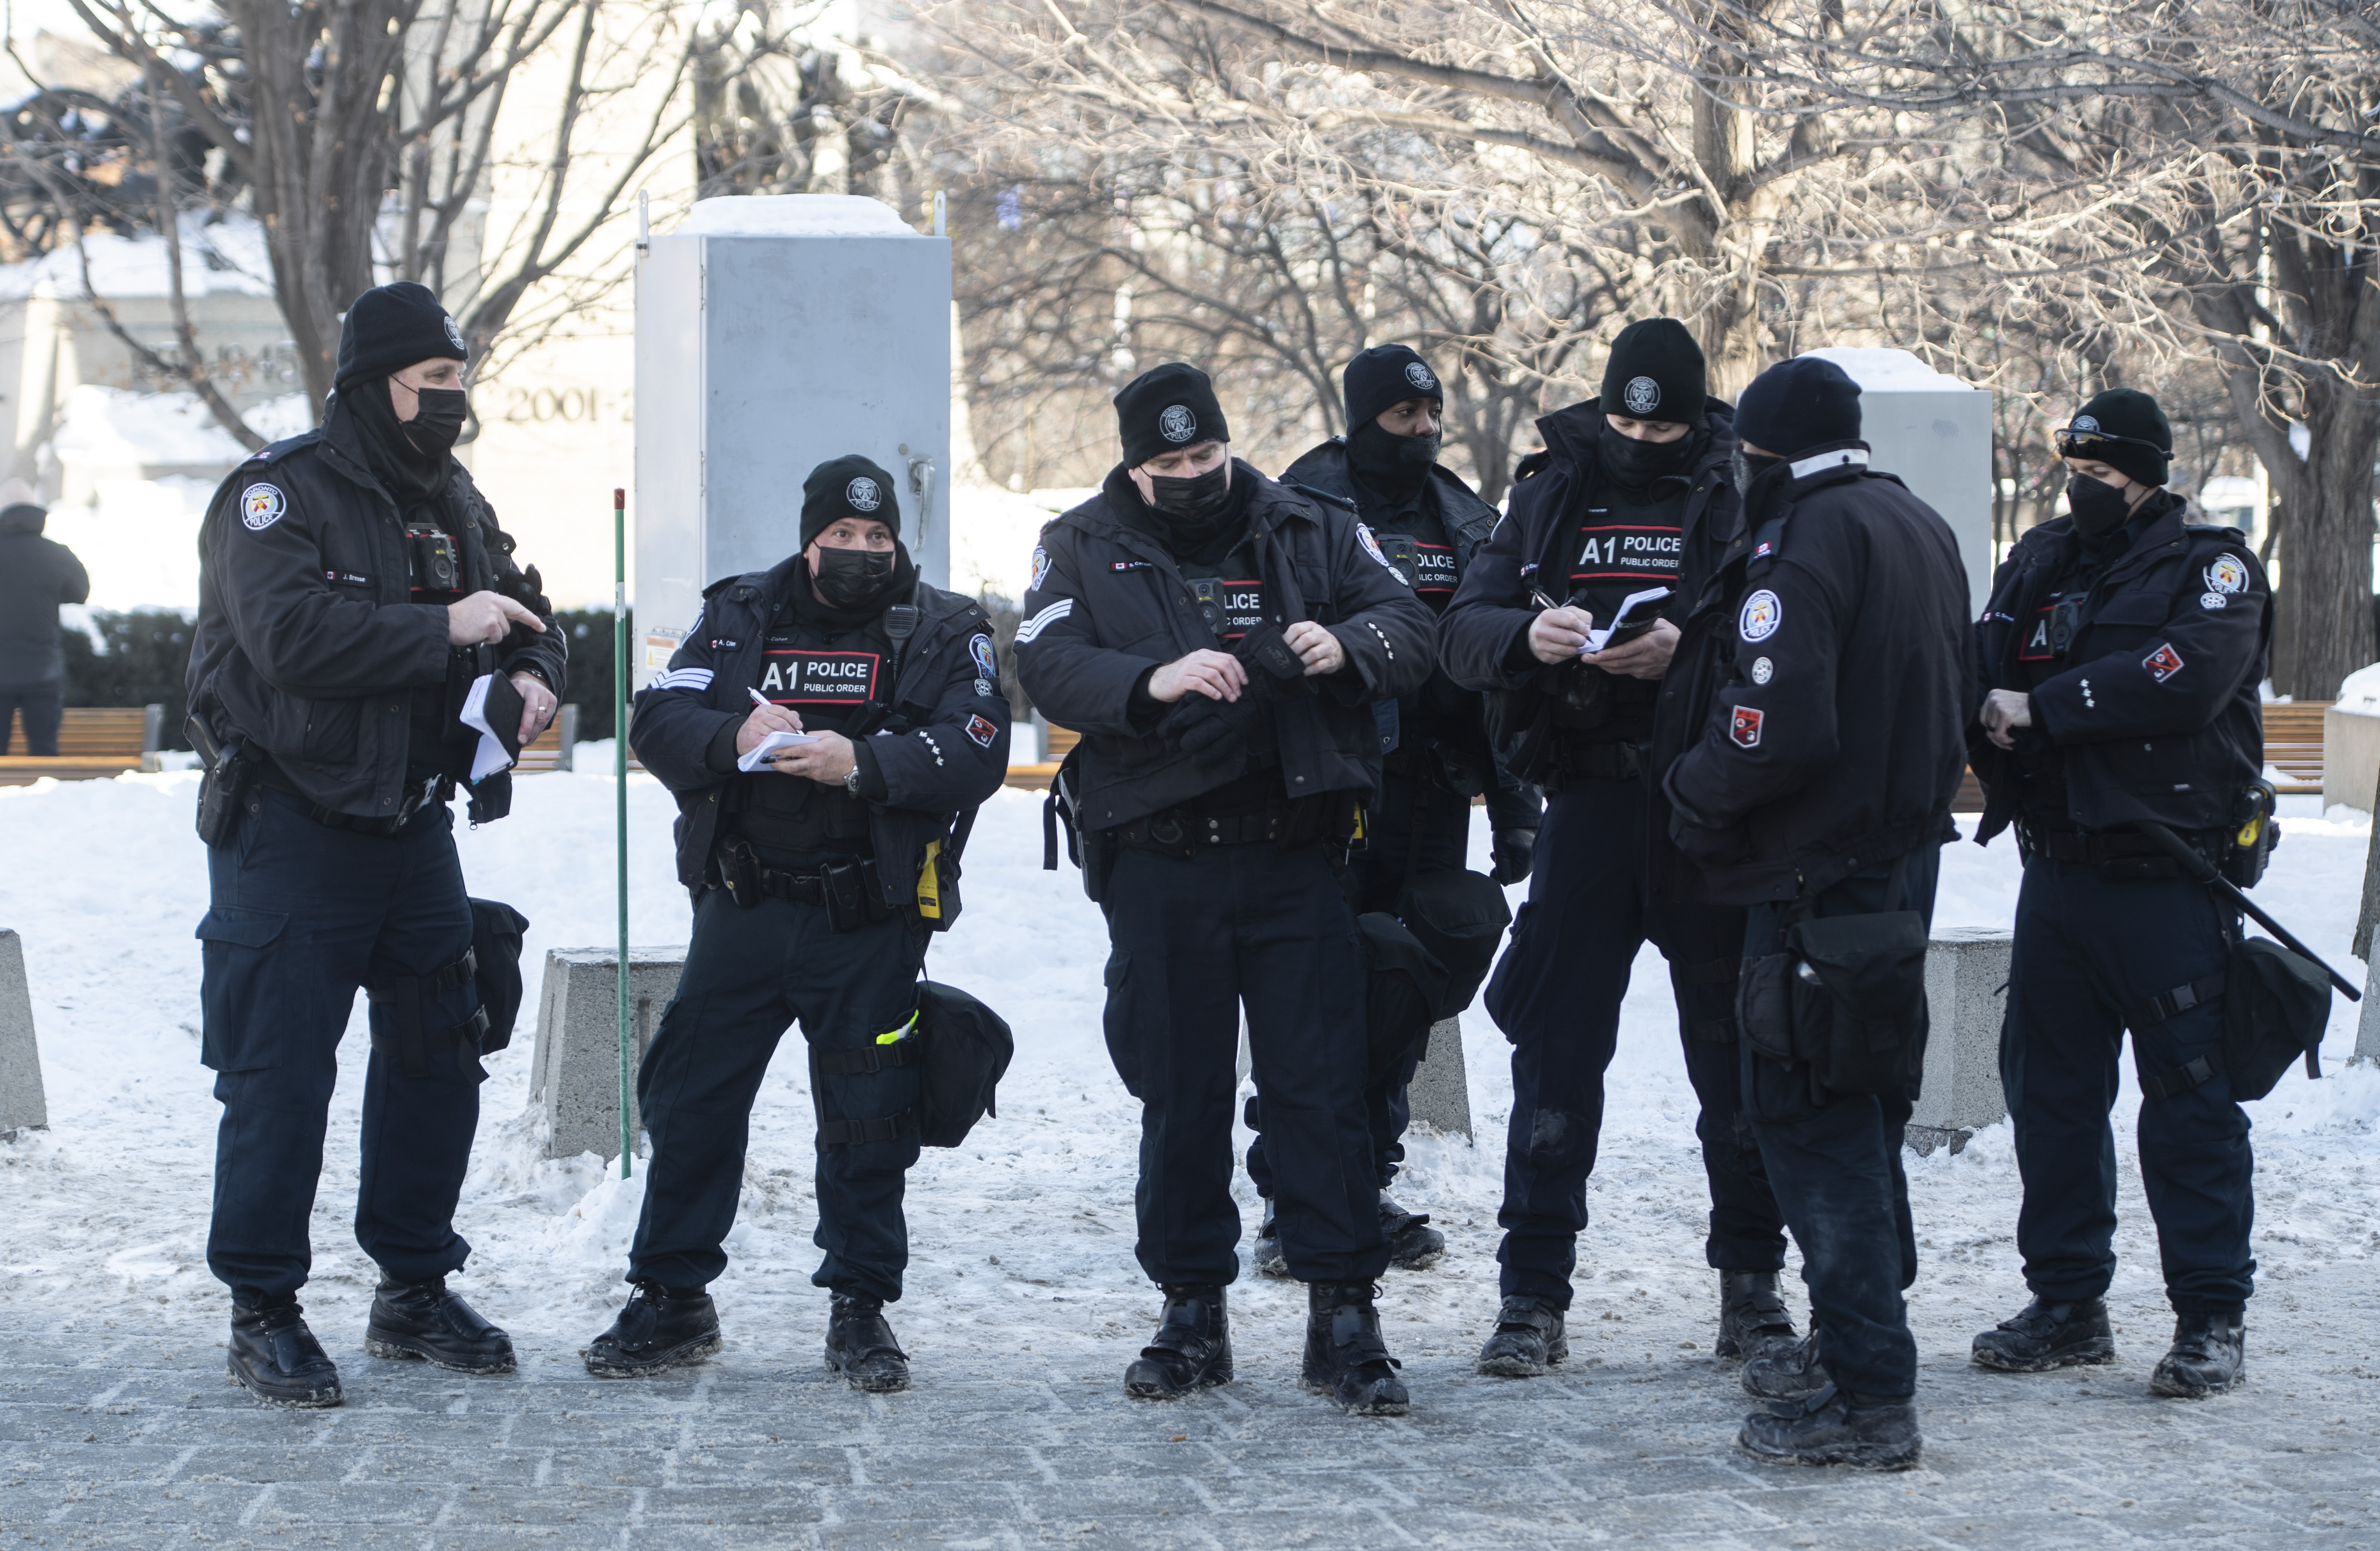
(415, 474)
(1374, 382)
(387, 329)
(1634, 463)
(1395, 466)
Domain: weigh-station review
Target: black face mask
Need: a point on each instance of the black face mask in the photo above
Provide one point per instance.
(2098, 508)
(852, 579)
(1395, 466)
(439, 420)
(1637, 463)
(1750, 467)
(1197, 502)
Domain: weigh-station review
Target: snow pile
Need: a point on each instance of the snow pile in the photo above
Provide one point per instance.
(789, 215)
(2360, 692)
(113, 428)
(220, 255)
(1021, 1238)
(993, 532)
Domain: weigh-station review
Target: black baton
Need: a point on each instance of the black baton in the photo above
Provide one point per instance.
(2202, 871)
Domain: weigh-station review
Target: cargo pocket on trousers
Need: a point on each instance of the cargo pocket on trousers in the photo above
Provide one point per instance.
(1117, 1021)
(1764, 1006)
(240, 989)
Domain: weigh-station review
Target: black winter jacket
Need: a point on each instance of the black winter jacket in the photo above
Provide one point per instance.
(1533, 545)
(1822, 687)
(308, 645)
(2159, 716)
(945, 749)
(36, 576)
(1107, 603)
(1326, 472)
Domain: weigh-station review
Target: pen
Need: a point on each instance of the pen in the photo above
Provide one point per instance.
(758, 699)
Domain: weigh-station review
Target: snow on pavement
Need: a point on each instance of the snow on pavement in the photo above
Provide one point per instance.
(1023, 1237)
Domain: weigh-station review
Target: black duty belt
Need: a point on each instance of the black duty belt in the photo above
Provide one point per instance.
(429, 791)
(1575, 759)
(2121, 856)
(1180, 832)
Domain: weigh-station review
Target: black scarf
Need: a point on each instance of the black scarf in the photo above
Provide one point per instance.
(412, 478)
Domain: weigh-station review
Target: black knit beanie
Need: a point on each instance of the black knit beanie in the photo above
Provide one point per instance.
(1654, 372)
(849, 486)
(2124, 429)
(1806, 402)
(1165, 409)
(391, 327)
(1384, 376)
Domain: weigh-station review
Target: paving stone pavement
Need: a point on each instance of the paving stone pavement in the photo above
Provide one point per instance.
(125, 1437)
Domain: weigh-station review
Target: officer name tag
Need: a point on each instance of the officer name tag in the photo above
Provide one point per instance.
(819, 678)
(1628, 552)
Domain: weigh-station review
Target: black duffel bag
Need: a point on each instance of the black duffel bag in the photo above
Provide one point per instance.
(966, 1049)
(1403, 987)
(2275, 1004)
(496, 929)
(1459, 916)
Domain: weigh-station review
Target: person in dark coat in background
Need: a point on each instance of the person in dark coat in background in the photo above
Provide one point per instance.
(1435, 754)
(1633, 492)
(1220, 641)
(1824, 684)
(2122, 650)
(36, 576)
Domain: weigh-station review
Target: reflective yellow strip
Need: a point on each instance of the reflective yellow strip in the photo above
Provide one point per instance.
(894, 1038)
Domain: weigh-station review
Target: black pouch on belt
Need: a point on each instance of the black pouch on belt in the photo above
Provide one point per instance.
(1858, 998)
(223, 787)
(739, 869)
(854, 899)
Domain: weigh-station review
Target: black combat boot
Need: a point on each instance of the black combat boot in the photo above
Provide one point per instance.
(1413, 1244)
(660, 1328)
(276, 1358)
(860, 1347)
(1834, 1428)
(423, 1321)
(1527, 1341)
(1267, 1260)
(1752, 1317)
(1345, 1358)
(1192, 1349)
(2208, 1356)
(1787, 1372)
(2046, 1335)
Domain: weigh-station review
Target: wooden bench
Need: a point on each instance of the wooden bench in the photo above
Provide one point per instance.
(551, 750)
(94, 742)
(2293, 745)
(1037, 778)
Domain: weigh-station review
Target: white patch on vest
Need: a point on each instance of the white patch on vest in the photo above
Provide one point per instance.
(260, 506)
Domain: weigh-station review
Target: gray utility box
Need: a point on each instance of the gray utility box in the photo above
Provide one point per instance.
(1934, 433)
(773, 333)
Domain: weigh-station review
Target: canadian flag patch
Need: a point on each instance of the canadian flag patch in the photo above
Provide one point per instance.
(1743, 726)
(2163, 663)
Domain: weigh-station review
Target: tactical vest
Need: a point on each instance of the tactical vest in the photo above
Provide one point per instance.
(836, 681)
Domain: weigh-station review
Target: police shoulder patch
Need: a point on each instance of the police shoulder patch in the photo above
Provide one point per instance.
(2227, 573)
(1763, 670)
(1743, 725)
(1040, 569)
(2163, 663)
(2212, 601)
(987, 666)
(1372, 548)
(980, 731)
(1761, 615)
(260, 506)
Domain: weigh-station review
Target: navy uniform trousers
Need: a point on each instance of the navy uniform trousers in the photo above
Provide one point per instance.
(749, 974)
(2088, 953)
(1412, 826)
(1191, 942)
(1556, 994)
(1835, 1163)
(301, 916)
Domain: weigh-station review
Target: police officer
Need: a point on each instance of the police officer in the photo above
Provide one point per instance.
(807, 871)
(1823, 682)
(2122, 650)
(1219, 641)
(1435, 740)
(1632, 495)
(353, 585)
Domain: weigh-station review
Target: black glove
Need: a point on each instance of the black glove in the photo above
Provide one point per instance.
(1512, 851)
(1208, 729)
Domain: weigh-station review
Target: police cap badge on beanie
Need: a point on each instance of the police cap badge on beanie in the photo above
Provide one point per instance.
(849, 486)
(1165, 409)
(1806, 402)
(1384, 376)
(391, 327)
(1654, 372)
(2124, 429)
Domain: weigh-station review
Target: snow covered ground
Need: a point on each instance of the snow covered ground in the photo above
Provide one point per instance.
(1023, 1236)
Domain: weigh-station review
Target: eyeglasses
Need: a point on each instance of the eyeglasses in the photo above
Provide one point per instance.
(2078, 443)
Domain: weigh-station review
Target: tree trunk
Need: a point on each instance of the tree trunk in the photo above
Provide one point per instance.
(2323, 627)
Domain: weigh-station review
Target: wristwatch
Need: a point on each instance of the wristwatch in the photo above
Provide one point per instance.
(851, 779)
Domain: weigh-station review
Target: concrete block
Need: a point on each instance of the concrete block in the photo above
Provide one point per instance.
(1440, 1092)
(22, 1104)
(1966, 996)
(2350, 757)
(575, 1077)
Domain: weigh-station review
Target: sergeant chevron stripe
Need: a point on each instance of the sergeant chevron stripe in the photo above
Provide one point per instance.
(693, 680)
(1032, 628)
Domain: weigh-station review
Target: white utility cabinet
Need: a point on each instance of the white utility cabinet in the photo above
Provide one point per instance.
(1936, 433)
(773, 333)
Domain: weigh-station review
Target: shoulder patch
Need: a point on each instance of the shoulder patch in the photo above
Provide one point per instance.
(1040, 568)
(987, 666)
(980, 731)
(2227, 573)
(1743, 725)
(2163, 663)
(1372, 548)
(261, 505)
(1761, 616)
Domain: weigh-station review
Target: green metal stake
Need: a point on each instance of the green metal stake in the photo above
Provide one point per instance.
(620, 784)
